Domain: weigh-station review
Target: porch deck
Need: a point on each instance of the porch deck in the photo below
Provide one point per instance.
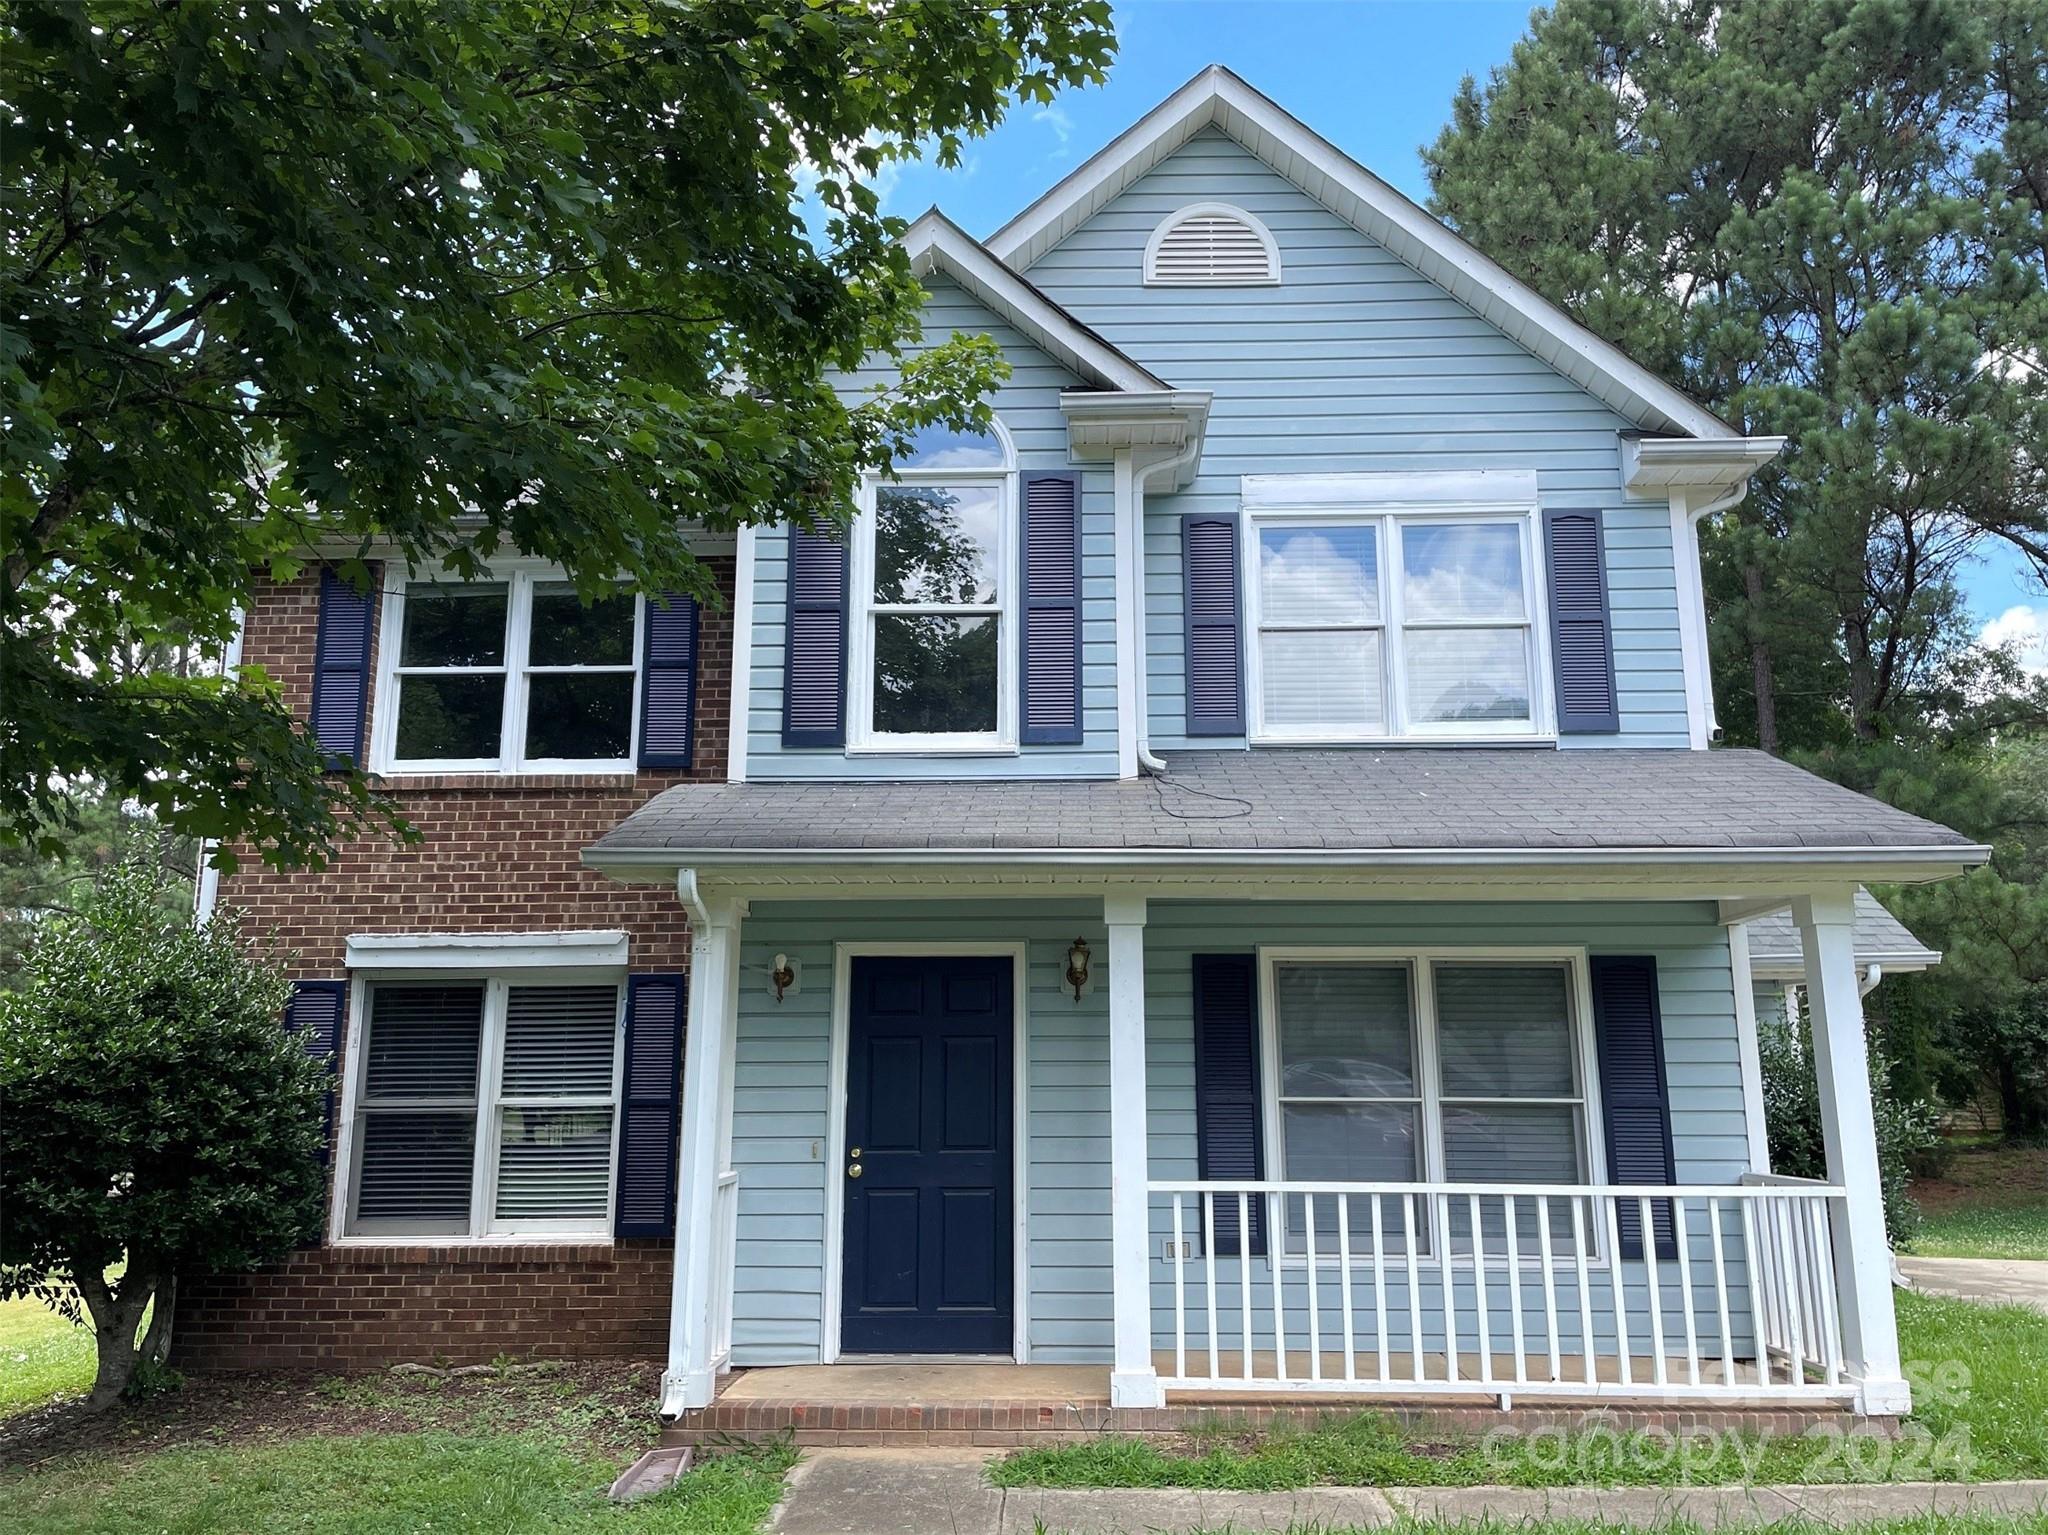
(1001, 1404)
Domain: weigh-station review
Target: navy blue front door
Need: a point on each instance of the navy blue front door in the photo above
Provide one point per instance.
(927, 1169)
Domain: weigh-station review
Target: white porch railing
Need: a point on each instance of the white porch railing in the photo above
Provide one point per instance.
(1402, 1289)
(725, 1226)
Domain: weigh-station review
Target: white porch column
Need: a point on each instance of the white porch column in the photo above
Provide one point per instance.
(1863, 1264)
(691, 1378)
(1132, 1380)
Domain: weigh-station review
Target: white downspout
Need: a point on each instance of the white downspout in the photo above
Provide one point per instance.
(1135, 591)
(206, 894)
(1692, 595)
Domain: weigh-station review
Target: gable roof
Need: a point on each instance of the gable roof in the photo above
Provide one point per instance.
(1216, 97)
(936, 243)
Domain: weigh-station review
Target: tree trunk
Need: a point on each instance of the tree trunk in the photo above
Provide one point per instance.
(1862, 680)
(156, 1341)
(115, 1316)
(1764, 683)
(2025, 1117)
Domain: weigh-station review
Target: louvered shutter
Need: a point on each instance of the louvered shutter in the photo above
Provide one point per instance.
(1581, 627)
(314, 1015)
(1214, 627)
(1635, 1100)
(814, 655)
(341, 670)
(1051, 674)
(1210, 247)
(1227, 1143)
(668, 683)
(650, 1113)
(417, 1123)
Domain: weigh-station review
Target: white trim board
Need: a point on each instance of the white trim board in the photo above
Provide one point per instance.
(832, 1281)
(381, 952)
(1216, 97)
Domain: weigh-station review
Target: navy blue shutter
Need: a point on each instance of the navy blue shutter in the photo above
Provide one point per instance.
(1227, 1142)
(1051, 674)
(341, 670)
(1214, 625)
(1581, 628)
(1635, 1099)
(650, 1115)
(314, 1015)
(814, 656)
(668, 683)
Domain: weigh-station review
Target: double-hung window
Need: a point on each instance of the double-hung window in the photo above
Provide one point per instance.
(1384, 624)
(1428, 1068)
(517, 673)
(934, 556)
(483, 1108)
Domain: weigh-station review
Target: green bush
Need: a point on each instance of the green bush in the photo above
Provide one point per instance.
(157, 1116)
(1792, 1117)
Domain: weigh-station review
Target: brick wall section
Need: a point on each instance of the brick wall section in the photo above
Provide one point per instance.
(352, 1308)
(497, 854)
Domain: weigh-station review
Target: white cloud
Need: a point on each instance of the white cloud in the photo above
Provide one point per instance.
(1062, 126)
(2025, 629)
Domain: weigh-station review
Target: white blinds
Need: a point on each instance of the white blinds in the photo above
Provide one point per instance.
(555, 1142)
(417, 1159)
(559, 1041)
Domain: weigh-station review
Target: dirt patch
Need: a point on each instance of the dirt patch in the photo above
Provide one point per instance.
(604, 1410)
(1978, 1177)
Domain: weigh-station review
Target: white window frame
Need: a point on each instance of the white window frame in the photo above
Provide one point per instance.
(484, 1229)
(1429, 1067)
(519, 577)
(1387, 504)
(862, 737)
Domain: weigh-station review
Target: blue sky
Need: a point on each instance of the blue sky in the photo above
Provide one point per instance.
(1375, 77)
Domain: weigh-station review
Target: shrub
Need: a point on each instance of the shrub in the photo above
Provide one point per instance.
(156, 1114)
(1792, 1117)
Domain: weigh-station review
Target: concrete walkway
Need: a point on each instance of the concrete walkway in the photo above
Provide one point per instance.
(942, 1492)
(2023, 1281)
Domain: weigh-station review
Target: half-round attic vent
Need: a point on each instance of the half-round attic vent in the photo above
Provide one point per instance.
(1211, 245)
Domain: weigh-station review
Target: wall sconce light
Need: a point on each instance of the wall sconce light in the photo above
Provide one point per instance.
(1077, 966)
(783, 976)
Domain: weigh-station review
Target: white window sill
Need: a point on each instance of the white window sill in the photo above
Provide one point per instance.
(531, 1239)
(913, 749)
(1408, 740)
(496, 770)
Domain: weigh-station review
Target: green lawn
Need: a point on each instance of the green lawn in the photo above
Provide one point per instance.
(1991, 1201)
(384, 1484)
(1981, 1414)
(41, 1356)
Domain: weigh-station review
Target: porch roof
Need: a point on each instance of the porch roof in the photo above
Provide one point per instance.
(1775, 951)
(1411, 805)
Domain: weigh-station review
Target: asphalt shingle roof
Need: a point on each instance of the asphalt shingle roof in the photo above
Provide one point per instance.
(1325, 801)
(1774, 939)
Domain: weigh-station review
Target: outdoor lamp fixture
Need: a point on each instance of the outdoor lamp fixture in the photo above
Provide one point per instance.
(1077, 966)
(782, 977)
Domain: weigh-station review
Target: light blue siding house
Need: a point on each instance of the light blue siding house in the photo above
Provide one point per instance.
(1225, 882)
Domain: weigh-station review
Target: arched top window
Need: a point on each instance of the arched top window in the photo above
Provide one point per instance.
(941, 447)
(1211, 245)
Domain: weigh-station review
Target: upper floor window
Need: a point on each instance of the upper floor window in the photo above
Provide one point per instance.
(1213, 245)
(516, 674)
(934, 555)
(1389, 624)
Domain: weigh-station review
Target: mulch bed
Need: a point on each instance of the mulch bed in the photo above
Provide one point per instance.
(603, 1409)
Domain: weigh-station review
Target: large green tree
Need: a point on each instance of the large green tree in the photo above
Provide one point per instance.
(290, 280)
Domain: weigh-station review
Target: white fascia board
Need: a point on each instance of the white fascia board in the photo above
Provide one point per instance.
(604, 949)
(935, 242)
(1461, 487)
(1355, 194)
(1653, 464)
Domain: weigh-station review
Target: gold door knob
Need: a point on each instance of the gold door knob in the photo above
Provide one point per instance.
(853, 1171)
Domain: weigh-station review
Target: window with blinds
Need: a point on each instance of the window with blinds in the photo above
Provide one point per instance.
(485, 1108)
(1410, 1069)
(1384, 626)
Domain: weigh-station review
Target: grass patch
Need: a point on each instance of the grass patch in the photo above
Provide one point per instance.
(385, 1484)
(1987, 1231)
(1981, 1413)
(42, 1356)
(1991, 1201)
